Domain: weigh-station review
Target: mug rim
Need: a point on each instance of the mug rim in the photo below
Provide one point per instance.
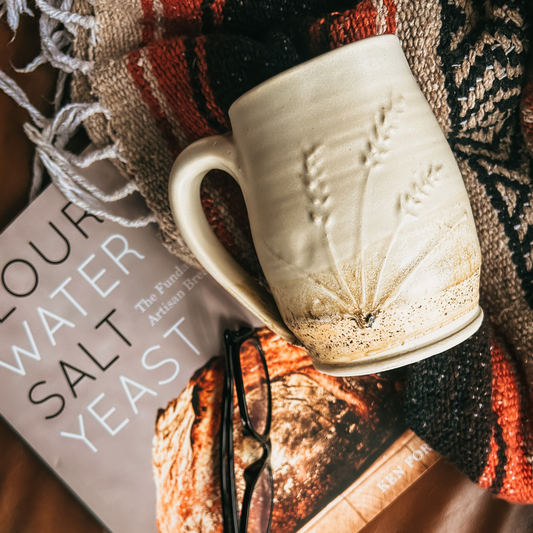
(278, 78)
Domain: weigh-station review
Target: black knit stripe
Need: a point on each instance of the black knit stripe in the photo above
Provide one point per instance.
(250, 63)
(486, 34)
(497, 482)
(196, 86)
(504, 105)
(281, 14)
(499, 150)
(453, 18)
(448, 403)
(208, 19)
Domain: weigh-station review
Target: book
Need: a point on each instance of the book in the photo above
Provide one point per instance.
(105, 333)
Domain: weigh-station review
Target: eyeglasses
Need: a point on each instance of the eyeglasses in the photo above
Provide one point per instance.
(246, 368)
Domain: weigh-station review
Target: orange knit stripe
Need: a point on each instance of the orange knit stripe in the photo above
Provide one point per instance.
(148, 21)
(391, 15)
(527, 129)
(527, 94)
(518, 480)
(314, 34)
(206, 86)
(353, 25)
(170, 69)
(216, 7)
(182, 18)
(489, 473)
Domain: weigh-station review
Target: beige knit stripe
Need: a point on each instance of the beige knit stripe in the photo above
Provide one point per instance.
(475, 120)
(508, 71)
(510, 198)
(131, 118)
(418, 28)
(520, 176)
(506, 14)
(381, 17)
(478, 50)
(496, 155)
(502, 295)
(82, 47)
(161, 99)
(159, 19)
(148, 158)
(470, 18)
(119, 28)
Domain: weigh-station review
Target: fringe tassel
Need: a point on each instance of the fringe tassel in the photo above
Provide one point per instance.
(14, 9)
(58, 26)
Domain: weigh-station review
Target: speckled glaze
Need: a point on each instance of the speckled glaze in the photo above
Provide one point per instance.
(358, 212)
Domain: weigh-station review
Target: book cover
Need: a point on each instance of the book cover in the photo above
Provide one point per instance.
(107, 371)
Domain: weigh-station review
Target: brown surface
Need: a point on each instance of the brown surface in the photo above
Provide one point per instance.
(15, 151)
(444, 501)
(32, 500)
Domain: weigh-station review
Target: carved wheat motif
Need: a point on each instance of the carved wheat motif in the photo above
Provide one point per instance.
(423, 259)
(326, 290)
(315, 188)
(410, 204)
(377, 147)
(385, 124)
(319, 205)
(423, 186)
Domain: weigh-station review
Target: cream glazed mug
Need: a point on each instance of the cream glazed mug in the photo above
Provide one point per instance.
(357, 208)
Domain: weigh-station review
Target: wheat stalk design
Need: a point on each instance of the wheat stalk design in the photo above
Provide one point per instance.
(424, 258)
(315, 187)
(319, 213)
(410, 205)
(423, 186)
(310, 279)
(373, 156)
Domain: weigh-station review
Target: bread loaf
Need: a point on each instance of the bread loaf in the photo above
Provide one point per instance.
(325, 431)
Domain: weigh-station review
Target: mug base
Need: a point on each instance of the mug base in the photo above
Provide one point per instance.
(411, 352)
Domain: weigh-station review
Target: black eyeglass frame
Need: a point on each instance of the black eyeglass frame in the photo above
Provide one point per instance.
(233, 340)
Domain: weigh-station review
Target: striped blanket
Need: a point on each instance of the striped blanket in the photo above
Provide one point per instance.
(165, 73)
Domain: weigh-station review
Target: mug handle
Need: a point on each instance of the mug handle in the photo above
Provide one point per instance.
(217, 152)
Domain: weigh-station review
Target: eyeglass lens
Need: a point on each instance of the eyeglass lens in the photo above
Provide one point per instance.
(261, 504)
(255, 386)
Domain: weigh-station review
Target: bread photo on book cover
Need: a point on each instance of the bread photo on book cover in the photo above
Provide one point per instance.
(325, 432)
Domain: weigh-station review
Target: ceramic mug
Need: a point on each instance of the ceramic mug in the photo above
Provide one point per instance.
(357, 208)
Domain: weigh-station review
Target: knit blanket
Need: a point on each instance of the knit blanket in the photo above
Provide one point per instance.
(156, 75)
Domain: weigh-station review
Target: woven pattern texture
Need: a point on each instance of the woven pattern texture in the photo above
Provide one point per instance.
(167, 71)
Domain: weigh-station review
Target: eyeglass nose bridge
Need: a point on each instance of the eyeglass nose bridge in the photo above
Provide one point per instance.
(252, 472)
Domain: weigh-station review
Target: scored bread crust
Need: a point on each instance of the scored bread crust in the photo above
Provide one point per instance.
(325, 430)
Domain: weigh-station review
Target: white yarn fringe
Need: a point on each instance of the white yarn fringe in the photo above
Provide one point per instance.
(14, 8)
(58, 26)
